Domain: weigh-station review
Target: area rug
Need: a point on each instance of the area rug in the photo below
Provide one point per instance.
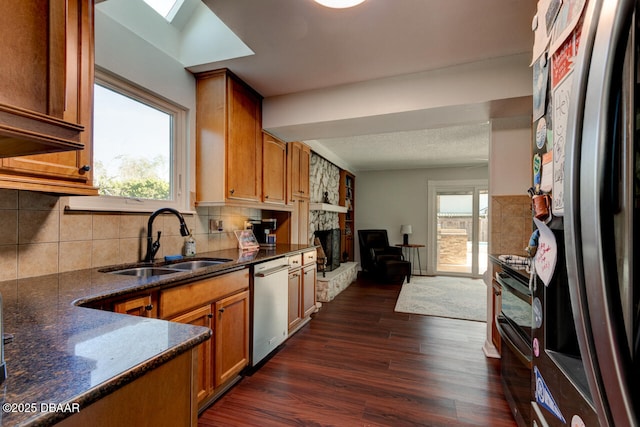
(453, 297)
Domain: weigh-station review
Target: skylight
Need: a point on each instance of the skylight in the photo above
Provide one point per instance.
(165, 8)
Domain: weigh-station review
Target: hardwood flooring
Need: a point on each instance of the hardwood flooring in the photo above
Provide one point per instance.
(358, 363)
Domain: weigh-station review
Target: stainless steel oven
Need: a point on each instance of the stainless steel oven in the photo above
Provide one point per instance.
(515, 323)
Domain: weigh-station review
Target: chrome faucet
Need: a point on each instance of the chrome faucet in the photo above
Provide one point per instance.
(152, 247)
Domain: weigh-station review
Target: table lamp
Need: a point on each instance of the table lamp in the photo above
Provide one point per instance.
(405, 230)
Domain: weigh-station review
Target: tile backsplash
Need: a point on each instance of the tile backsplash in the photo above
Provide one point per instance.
(511, 224)
(38, 236)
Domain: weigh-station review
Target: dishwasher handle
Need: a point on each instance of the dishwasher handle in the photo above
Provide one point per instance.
(270, 271)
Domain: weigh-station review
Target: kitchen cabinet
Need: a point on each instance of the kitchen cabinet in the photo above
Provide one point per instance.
(295, 291)
(228, 140)
(222, 304)
(308, 300)
(496, 303)
(302, 289)
(141, 305)
(145, 401)
(231, 334)
(346, 221)
(299, 221)
(299, 157)
(201, 316)
(274, 170)
(46, 96)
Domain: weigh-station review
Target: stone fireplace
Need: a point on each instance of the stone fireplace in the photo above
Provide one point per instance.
(330, 241)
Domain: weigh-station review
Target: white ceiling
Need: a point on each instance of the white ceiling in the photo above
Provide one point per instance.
(300, 46)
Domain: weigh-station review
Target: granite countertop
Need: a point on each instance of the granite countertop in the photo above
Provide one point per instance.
(63, 353)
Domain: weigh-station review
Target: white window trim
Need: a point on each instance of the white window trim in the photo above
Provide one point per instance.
(180, 151)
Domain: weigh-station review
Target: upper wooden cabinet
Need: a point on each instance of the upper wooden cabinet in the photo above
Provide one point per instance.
(274, 170)
(228, 139)
(46, 75)
(299, 158)
(46, 95)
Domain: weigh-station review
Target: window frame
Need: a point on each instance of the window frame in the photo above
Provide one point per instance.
(179, 153)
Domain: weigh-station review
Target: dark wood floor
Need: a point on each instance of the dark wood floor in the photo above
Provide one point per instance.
(358, 363)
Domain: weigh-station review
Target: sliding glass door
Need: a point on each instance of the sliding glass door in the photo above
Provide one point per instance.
(458, 224)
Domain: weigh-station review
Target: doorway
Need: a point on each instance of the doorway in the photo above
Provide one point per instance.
(458, 227)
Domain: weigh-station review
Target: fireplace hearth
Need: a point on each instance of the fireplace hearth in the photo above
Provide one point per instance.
(330, 241)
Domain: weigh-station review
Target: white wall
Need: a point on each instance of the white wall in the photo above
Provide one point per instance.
(388, 199)
(510, 157)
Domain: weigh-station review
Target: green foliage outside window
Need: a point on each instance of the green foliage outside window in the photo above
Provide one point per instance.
(138, 178)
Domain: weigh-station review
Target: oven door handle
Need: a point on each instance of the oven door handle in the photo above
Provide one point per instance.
(504, 329)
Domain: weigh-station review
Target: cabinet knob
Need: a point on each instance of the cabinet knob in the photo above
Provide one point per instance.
(232, 191)
(85, 168)
(266, 197)
(221, 310)
(210, 315)
(148, 307)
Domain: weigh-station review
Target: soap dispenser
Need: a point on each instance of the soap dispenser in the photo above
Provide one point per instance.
(190, 246)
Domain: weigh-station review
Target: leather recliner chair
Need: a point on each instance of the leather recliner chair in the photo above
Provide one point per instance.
(381, 261)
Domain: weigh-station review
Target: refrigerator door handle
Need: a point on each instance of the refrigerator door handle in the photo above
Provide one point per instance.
(593, 279)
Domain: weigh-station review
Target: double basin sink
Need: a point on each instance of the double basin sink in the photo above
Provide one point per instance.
(169, 268)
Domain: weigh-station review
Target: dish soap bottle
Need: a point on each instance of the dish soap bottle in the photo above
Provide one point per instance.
(190, 246)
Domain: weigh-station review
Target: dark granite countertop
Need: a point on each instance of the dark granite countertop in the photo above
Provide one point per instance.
(63, 353)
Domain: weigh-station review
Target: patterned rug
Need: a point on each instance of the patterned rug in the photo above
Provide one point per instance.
(454, 297)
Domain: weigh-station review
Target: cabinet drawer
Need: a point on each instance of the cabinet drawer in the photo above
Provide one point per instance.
(309, 257)
(182, 298)
(295, 261)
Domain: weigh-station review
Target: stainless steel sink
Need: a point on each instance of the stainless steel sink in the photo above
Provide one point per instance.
(146, 271)
(178, 267)
(197, 263)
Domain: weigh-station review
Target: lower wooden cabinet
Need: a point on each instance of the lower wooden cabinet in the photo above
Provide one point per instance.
(140, 305)
(231, 332)
(295, 292)
(302, 288)
(308, 300)
(222, 304)
(159, 398)
(201, 316)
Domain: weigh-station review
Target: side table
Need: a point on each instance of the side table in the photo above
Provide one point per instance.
(413, 251)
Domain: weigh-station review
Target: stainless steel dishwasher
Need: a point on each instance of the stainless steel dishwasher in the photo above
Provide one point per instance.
(270, 307)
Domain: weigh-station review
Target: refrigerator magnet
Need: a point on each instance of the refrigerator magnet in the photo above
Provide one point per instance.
(541, 133)
(544, 396)
(546, 254)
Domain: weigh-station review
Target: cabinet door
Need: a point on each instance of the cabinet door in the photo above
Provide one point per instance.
(201, 317)
(274, 170)
(46, 86)
(244, 143)
(295, 294)
(300, 221)
(300, 156)
(309, 290)
(231, 331)
(303, 222)
(305, 160)
(143, 306)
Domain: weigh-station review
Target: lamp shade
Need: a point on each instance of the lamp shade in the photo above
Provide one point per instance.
(405, 229)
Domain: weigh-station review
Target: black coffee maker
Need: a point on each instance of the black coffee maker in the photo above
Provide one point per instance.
(265, 232)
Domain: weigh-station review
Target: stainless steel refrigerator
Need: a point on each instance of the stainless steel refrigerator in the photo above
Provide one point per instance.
(586, 366)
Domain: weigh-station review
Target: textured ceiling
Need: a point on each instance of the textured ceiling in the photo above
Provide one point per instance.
(451, 146)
